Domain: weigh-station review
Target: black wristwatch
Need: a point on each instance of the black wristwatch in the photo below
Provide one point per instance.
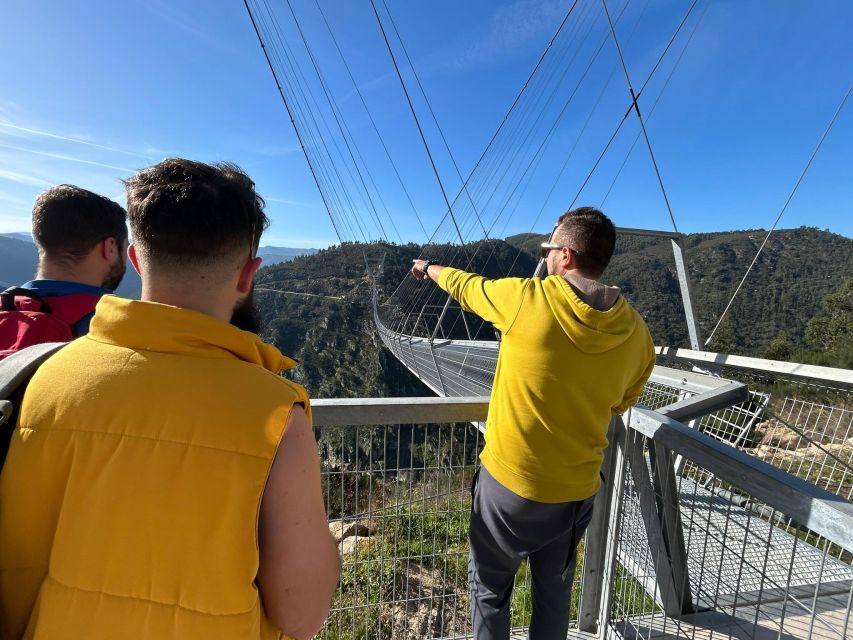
(427, 265)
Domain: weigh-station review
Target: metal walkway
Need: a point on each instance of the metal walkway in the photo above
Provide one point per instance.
(451, 368)
(734, 558)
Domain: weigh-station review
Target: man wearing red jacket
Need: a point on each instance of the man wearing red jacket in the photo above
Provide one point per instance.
(81, 239)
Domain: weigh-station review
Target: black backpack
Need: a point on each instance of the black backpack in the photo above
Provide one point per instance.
(15, 374)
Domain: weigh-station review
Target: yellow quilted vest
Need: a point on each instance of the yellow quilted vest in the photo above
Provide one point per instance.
(130, 496)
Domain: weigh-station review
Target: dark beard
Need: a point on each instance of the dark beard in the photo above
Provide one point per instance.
(246, 315)
(114, 276)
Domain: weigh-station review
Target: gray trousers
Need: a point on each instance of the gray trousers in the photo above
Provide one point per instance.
(505, 529)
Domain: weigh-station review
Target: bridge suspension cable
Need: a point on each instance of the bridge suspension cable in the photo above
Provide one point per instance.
(292, 120)
(655, 103)
(635, 105)
(417, 120)
(406, 283)
(782, 212)
(341, 126)
(373, 124)
(464, 187)
(526, 173)
(627, 113)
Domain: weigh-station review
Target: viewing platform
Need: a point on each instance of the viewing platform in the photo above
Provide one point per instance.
(724, 513)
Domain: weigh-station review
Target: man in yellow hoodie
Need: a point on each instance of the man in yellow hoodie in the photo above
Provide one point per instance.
(573, 353)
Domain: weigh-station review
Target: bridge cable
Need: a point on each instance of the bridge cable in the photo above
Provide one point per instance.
(417, 121)
(782, 212)
(292, 120)
(649, 77)
(629, 109)
(513, 105)
(289, 60)
(327, 173)
(332, 106)
(432, 293)
(485, 246)
(434, 118)
(656, 102)
(370, 117)
(636, 106)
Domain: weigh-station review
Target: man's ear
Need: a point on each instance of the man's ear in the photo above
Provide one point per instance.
(567, 259)
(134, 259)
(247, 275)
(110, 249)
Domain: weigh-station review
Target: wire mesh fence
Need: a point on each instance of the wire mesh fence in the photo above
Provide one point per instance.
(399, 500)
(802, 427)
(743, 575)
(398, 497)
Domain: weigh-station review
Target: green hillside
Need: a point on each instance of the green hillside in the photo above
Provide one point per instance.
(318, 308)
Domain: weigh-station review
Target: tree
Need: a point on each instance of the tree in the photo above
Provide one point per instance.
(725, 340)
(832, 328)
(780, 348)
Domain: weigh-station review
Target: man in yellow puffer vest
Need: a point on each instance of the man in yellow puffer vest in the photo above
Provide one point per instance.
(573, 353)
(163, 480)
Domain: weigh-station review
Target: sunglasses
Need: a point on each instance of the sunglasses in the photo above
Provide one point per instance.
(547, 247)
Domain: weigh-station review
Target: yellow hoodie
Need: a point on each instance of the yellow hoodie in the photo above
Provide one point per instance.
(563, 369)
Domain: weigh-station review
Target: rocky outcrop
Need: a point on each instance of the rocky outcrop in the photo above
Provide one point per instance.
(775, 434)
(342, 529)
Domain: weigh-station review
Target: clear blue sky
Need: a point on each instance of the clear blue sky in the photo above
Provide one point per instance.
(94, 90)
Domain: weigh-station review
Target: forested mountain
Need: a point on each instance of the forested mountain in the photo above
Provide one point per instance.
(318, 308)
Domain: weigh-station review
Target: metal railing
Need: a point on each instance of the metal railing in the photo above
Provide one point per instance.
(802, 422)
(396, 476)
(691, 535)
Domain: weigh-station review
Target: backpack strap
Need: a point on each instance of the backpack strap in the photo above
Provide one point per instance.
(18, 368)
(73, 307)
(7, 299)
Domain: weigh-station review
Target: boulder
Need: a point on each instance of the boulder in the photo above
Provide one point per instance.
(352, 543)
(341, 529)
(775, 434)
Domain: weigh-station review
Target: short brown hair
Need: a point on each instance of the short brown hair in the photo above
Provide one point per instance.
(188, 213)
(69, 221)
(591, 235)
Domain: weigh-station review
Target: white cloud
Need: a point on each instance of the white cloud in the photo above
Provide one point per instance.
(511, 28)
(294, 203)
(8, 125)
(61, 156)
(21, 178)
(187, 23)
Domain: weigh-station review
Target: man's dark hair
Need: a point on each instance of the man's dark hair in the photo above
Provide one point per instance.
(69, 221)
(184, 212)
(591, 235)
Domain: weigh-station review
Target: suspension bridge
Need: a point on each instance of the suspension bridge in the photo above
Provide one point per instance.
(698, 532)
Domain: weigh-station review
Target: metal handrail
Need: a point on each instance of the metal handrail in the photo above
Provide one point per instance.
(808, 372)
(819, 510)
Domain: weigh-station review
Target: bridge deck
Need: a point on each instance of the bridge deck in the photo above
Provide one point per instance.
(770, 621)
(734, 557)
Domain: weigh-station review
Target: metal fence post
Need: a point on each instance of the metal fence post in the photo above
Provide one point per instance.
(601, 539)
(669, 588)
(666, 492)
